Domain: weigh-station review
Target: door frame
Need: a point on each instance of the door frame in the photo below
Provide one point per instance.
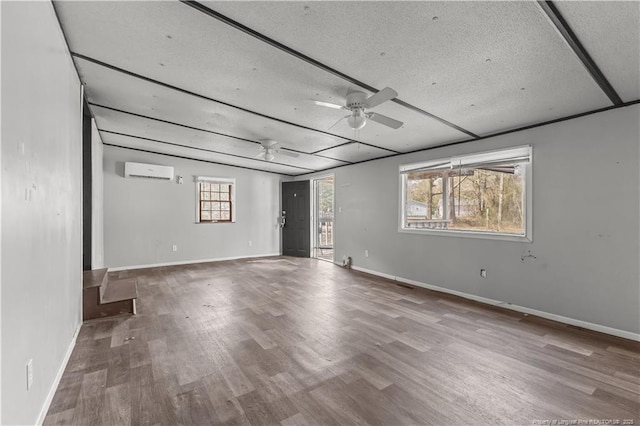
(314, 198)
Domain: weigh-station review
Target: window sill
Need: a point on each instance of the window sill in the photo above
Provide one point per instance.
(219, 221)
(467, 234)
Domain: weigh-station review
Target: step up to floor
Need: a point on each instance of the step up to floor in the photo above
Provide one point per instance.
(104, 298)
(94, 278)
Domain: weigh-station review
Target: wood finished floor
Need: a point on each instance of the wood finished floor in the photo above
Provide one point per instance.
(301, 341)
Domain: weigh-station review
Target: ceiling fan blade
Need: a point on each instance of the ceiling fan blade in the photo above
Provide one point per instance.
(328, 104)
(337, 122)
(284, 151)
(260, 155)
(380, 97)
(383, 119)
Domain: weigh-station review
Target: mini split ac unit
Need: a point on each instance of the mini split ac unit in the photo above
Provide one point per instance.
(150, 171)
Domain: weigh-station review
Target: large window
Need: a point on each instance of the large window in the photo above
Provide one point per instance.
(215, 199)
(479, 194)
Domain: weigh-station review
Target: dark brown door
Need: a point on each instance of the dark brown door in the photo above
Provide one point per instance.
(296, 209)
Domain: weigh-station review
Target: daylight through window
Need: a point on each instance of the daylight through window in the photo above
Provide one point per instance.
(215, 200)
(479, 193)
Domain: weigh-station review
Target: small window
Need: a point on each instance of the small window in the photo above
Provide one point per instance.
(479, 194)
(215, 199)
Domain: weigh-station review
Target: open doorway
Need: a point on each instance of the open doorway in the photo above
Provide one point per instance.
(323, 223)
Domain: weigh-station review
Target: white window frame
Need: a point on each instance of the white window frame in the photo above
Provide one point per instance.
(470, 159)
(209, 179)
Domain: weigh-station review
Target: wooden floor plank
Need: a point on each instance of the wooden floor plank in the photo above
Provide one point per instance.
(304, 342)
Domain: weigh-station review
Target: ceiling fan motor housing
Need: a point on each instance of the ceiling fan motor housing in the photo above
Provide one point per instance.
(356, 100)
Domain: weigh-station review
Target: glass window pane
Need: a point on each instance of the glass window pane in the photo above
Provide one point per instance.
(215, 196)
(205, 195)
(224, 196)
(205, 215)
(224, 206)
(215, 187)
(424, 203)
(487, 200)
(224, 188)
(216, 215)
(215, 206)
(226, 215)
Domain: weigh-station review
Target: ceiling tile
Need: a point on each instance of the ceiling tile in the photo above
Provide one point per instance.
(356, 152)
(485, 66)
(195, 154)
(610, 32)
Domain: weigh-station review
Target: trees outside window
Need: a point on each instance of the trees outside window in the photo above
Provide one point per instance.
(483, 193)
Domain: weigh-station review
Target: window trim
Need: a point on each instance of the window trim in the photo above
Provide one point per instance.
(210, 179)
(439, 164)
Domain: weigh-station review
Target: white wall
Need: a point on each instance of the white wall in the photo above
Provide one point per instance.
(97, 202)
(585, 224)
(41, 206)
(143, 218)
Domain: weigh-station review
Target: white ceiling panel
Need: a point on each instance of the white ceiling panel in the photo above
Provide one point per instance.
(121, 91)
(610, 32)
(486, 66)
(479, 67)
(173, 43)
(195, 154)
(356, 152)
(118, 122)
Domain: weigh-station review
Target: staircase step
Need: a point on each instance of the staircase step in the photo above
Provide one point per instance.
(120, 290)
(94, 278)
(102, 297)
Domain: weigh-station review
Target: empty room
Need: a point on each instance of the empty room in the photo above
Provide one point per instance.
(320, 212)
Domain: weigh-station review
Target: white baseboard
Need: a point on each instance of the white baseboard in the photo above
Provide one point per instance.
(56, 381)
(188, 262)
(559, 318)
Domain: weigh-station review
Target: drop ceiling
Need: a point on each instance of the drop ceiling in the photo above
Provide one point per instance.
(210, 80)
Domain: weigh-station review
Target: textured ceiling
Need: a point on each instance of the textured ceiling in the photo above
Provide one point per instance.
(181, 80)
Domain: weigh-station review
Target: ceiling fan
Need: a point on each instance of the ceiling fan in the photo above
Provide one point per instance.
(270, 147)
(357, 103)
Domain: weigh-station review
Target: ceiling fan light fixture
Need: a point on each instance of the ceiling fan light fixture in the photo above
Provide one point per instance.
(357, 120)
(268, 155)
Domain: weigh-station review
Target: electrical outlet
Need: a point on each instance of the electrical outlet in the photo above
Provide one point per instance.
(483, 273)
(174, 248)
(250, 243)
(29, 374)
(366, 253)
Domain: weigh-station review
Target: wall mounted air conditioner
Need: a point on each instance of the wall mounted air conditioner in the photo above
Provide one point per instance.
(150, 171)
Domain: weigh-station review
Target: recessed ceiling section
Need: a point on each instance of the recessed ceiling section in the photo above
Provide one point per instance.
(161, 132)
(195, 154)
(611, 35)
(467, 62)
(355, 152)
(123, 92)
